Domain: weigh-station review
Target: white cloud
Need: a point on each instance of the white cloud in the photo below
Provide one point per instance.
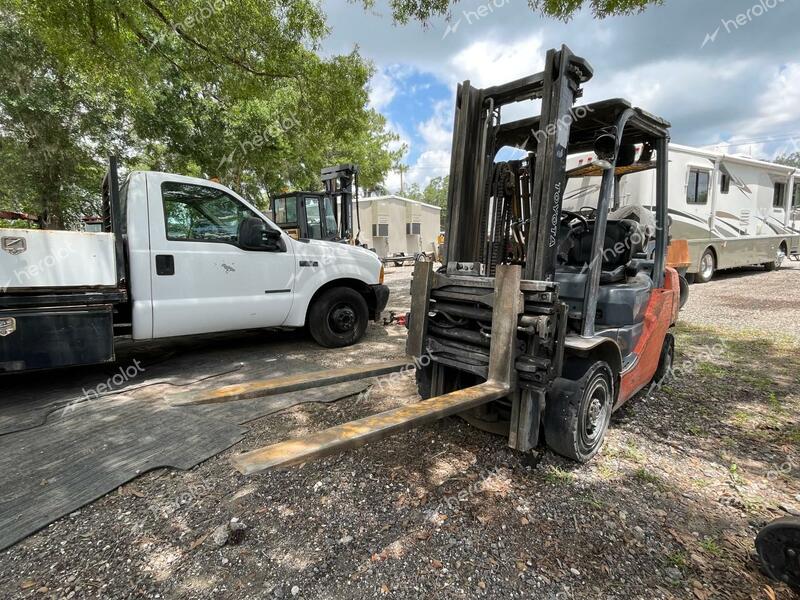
(493, 61)
(382, 90)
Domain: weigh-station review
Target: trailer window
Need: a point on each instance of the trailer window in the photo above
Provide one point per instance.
(195, 213)
(796, 199)
(778, 195)
(697, 190)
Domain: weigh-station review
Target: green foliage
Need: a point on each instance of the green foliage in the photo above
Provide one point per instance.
(424, 10)
(210, 88)
(792, 160)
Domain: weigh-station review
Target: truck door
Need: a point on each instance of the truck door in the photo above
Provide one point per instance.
(202, 280)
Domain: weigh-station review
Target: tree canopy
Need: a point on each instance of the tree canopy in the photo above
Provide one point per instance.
(435, 192)
(792, 160)
(211, 88)
(423, 10)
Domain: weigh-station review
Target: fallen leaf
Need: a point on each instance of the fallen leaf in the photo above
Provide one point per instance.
(770, 593)
(384, 589)
(436, 564)
(198, 541)
(482, 585)
(28, 583)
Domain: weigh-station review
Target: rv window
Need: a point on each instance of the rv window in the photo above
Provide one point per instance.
(725, 183)
(779, 195)
(697, 190)
(796, 200)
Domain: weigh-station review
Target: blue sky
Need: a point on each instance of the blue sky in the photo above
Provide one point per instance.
(726, 73)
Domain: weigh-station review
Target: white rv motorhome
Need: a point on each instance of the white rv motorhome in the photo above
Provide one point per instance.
(733, 210)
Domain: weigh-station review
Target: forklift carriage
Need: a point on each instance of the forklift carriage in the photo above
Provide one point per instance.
(542, 320)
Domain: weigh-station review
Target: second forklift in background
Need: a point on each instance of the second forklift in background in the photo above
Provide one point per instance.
(324, 215)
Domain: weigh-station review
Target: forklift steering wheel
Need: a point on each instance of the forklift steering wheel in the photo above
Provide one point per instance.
(568, 216)
(588, 211)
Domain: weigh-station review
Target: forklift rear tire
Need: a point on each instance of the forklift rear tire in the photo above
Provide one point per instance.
(664, 369)
(338, 317)
(578, 409)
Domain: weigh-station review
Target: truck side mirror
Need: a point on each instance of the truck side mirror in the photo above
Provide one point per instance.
(254, 234)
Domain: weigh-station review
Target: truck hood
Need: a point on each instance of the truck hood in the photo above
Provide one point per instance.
(330, 253)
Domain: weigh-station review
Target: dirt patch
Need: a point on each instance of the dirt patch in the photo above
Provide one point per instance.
(669, 509)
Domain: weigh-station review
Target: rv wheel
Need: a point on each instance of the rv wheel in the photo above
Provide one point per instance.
(776, 264)
(578, 409)
(708, 264)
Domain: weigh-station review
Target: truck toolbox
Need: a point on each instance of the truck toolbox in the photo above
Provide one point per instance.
(49, 338)
(33, 259)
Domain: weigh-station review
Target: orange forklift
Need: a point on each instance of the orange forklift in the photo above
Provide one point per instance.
(541, 321)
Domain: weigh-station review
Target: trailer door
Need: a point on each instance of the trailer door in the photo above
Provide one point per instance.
(203, 281)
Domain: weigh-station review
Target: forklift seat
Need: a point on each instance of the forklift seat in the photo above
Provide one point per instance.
(624, 240)
(619, 303)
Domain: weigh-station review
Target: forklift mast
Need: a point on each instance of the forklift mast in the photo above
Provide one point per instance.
(341, 185)
(474, 177)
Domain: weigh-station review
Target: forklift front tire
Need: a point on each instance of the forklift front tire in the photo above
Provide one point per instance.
(338, 317)
(578, 409)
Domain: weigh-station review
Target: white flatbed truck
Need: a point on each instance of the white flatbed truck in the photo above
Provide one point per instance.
(179, 256)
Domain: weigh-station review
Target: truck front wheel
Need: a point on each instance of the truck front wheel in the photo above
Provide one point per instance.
(338, 317)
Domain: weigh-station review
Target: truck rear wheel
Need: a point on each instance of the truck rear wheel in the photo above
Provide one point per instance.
(338, 317)
(578, 409)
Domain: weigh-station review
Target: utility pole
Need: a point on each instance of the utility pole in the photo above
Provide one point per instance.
(402, 168)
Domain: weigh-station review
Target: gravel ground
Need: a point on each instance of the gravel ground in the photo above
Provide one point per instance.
(749, 299)
(669, 509)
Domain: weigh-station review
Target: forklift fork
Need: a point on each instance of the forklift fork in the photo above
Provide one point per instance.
(500, 383)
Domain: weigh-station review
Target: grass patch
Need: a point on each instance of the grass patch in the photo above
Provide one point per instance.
(711, 369)
(711, 546)
(606, 471)
(557, 475)
(642, 475)
(742, 418)
(677, 559)
(735, 475)
(590, 500)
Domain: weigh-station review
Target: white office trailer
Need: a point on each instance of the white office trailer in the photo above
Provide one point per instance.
(397, 226)
(733, 210)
